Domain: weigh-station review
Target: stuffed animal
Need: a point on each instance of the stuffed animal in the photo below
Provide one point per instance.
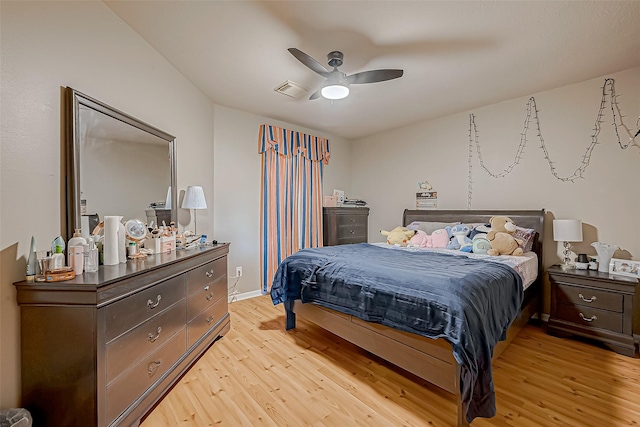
(459, 240)
(501, 237)
(480, 244)
(440, 238)
(420, 240)
(398, 236)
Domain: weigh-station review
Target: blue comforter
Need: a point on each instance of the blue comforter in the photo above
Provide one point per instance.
(469, 302)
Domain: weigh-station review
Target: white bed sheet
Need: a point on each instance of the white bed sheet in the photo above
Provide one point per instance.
(525, 265)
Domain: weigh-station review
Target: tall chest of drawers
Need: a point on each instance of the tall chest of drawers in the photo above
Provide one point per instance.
(595, 305)
(345, 225)
(103, 348)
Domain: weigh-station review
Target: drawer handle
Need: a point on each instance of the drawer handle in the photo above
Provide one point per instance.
(152, 338)
(210, 296)
(210, 319)
(352, 220)
(352, 232)
(591, 319)
(152, 304)
(153, 367)
(206, 288)
(209, 273)
(592, 299)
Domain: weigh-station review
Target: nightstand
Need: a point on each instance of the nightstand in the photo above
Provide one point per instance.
(593, 305)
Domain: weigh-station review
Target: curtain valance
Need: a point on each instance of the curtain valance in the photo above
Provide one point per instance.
(292, 143)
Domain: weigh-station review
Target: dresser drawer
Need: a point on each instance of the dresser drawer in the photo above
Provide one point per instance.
(138, 343)
(209, 294)
(589, 297)
(129, 386)
(351, 219)
(590, 317)
(199, 277)
(135, 309)
(206, 320)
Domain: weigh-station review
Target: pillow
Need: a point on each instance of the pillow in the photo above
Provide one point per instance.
(527, 235)
(428, 226)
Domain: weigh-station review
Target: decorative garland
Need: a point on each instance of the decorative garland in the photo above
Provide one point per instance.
(532, 110)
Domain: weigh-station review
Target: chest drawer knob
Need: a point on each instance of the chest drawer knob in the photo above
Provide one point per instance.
(152, 304)
(210, 319)
(209, 273)
(592, 299)
(590, 319)
(206, 288)
(152, 337)
(210, 296)
(153, 367)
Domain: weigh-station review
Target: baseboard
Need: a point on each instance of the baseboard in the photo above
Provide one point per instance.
(245, 295)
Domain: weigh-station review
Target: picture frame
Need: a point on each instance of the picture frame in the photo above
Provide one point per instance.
(625, 267)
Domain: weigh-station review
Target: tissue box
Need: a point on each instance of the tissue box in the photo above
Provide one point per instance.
(330, 201)
(161, 244)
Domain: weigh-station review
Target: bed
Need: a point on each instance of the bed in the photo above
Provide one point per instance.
(440, 316)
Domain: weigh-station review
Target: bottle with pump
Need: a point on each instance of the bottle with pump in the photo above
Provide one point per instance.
(75, 249)
(91, 256)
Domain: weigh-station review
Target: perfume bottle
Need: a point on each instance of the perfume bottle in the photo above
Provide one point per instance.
(90, 256)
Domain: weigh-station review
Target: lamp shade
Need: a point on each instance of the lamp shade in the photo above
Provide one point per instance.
(194, 198)
(337, 86)
(567, 230)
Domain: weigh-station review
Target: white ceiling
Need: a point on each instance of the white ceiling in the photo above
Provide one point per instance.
(456, 55)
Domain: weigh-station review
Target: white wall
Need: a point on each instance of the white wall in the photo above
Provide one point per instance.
(388, 166)
(237, 167)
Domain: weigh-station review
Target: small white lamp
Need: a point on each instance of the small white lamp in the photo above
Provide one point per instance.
(566, 231)
(194, 199)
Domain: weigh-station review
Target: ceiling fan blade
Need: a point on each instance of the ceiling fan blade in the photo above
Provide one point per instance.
(374, 76)
(315, 95)
(308, 61)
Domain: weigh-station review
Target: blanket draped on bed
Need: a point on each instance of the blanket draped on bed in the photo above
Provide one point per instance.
(468, 302)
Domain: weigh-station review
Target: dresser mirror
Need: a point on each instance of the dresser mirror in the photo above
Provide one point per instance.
(116, 165)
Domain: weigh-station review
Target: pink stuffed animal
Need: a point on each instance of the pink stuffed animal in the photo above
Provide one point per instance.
(440, 238)
(420, 240)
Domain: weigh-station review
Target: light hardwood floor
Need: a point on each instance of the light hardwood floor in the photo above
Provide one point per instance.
(261, 375)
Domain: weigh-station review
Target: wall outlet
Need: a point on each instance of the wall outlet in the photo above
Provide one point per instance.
(238, 271)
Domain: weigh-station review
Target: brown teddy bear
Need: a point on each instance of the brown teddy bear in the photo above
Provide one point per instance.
(501, 237)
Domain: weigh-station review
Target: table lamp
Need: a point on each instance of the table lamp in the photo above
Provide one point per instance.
(566, 231)
(194, 199)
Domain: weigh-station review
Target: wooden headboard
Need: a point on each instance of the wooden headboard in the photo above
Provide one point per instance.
(523, 218)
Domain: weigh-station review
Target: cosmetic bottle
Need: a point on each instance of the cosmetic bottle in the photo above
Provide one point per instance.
(77, 239)
(91, 256)
(57, 259)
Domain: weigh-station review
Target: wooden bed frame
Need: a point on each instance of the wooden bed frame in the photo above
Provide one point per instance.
(431, 360)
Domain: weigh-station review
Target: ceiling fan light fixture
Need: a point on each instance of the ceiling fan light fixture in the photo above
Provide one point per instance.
(335, 91)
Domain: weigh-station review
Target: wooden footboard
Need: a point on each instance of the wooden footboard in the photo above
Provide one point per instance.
(431, 360)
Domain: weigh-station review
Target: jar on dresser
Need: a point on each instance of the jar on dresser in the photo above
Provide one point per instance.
(103, 348)
(344, 225)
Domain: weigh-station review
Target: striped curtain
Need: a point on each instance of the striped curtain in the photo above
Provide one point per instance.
(291, 200)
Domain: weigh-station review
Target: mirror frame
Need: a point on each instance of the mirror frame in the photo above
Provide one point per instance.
(76, 99)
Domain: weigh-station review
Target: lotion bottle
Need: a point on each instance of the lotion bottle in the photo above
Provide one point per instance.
(75, 249)
(57, 259)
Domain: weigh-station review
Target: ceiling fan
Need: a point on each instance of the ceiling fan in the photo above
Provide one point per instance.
(337, 83)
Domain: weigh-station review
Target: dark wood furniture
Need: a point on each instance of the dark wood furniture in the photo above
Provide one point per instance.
(103, 348)
(345, 225)
(431, 360)
(593, 305)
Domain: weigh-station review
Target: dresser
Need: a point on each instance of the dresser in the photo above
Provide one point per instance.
(345, 225)
(594, 305)
(103, 348)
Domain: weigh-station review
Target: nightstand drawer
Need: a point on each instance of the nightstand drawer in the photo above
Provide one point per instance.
(593, 298)
(590, 317)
